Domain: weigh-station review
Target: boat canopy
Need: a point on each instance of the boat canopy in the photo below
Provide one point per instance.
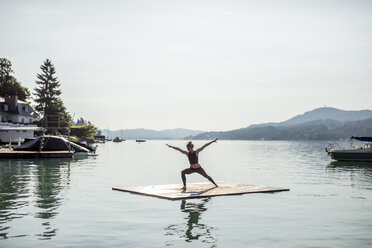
(365, 139)
(50, 143)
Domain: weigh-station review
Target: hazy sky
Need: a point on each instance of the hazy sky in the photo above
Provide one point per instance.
(207, 65)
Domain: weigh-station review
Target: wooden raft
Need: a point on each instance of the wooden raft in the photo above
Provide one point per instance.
(198, 190)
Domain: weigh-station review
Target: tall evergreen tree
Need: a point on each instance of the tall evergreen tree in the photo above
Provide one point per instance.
(47, 95)
(8, 84)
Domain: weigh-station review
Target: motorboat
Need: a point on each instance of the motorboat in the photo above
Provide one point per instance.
(50, 143)
(117, 139)
(44, 147)
(92, 149)
(354, 153)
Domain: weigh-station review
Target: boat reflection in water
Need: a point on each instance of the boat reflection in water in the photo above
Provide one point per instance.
(34, 186)
(193, 229)
(14, 194)
(356, 164)
(357, 173)
(53, 180)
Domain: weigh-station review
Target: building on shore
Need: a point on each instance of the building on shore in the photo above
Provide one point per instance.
(16, 118)
(99, 138)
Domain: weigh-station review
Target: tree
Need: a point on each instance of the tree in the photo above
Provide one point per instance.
(9, 86)
(84, 132)
(81, 122)
(47, 96)
(5, 68)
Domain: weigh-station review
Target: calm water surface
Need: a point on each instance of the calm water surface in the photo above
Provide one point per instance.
(69, 202)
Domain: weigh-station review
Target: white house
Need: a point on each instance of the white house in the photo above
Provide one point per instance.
(16, 111)
(15, 120)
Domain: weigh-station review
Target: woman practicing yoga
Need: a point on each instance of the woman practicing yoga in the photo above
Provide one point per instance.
(193, 159)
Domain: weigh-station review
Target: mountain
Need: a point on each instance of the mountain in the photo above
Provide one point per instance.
(141, 133)
(314, 130)
(325, 113)
(318, 124)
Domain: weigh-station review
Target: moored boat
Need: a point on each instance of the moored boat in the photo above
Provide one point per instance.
(359, 153)
(85, 144)
(117, 139)
(50, 143)
(44, 147)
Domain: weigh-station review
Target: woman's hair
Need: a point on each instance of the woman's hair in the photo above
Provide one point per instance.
(189, 144)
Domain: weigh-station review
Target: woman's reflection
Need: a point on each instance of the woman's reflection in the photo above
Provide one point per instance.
(195, 229)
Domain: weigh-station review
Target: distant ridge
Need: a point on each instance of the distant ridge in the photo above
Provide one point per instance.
(325, 113)
(141, 133)
(318, 124)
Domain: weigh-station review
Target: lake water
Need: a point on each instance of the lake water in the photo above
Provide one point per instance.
(69, 202)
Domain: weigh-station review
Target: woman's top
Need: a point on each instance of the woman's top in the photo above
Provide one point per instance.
(193, 158)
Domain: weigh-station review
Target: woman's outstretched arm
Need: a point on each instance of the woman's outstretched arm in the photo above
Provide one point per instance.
(178, 149)
(204, 146)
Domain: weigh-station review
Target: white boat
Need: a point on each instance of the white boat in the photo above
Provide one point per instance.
(359, 153)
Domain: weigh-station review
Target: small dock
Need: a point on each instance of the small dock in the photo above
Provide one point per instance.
(198, 190)
(6, 153)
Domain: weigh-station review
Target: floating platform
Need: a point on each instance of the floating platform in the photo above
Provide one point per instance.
(198, 190)
(6, 153)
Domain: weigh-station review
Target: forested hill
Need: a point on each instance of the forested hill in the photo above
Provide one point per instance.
(321, 129)
(325, 113)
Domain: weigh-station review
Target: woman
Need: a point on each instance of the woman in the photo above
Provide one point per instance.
(194, 161)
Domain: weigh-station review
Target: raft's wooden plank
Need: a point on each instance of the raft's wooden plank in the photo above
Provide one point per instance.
(198, 190)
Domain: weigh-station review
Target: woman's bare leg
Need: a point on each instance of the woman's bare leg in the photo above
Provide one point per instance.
(183, 173)
(202, 172)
